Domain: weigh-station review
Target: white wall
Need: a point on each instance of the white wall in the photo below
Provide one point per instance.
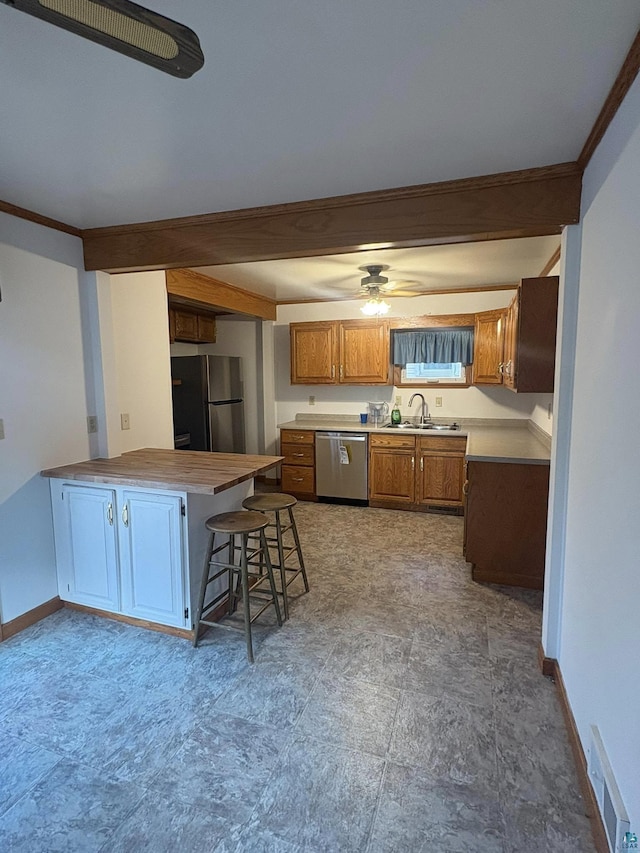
(142, 364)
(43, 400)
(599, 649)
(485, 402)
(71, 344)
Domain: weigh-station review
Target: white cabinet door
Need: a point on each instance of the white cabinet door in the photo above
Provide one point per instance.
(86, 546)
(151, 557)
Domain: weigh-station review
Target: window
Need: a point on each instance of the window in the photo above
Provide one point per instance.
(451, 374)
(412, 349)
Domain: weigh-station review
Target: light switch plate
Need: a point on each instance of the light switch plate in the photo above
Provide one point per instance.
(1, 428)
(124, 422)
(438, 401)
(92, 424)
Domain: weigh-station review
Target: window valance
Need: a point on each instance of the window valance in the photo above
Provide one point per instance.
(432, 346)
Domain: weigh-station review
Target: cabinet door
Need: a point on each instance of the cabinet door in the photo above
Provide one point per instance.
(186, 326)
(364, 352)
(206, 328)
(86, 547)
(151, 557)
(488, 348)
(510, 347)
(440, 478)
(391, 475)
(313, 353)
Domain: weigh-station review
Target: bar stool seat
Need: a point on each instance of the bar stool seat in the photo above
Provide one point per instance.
(247, 525)
(276, 502)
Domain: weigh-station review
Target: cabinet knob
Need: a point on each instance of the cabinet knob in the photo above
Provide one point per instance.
(125, 515)
(465, 487)
(110, 513)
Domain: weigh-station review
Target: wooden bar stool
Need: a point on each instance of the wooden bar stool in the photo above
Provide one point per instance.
(276, 502)
(245, 525)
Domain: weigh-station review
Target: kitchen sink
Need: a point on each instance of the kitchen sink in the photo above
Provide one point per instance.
(451, 426)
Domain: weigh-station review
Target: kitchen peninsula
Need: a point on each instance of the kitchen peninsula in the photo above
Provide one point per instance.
(129, 531)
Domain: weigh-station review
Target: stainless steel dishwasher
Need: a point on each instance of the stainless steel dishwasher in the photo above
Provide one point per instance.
(341, 465)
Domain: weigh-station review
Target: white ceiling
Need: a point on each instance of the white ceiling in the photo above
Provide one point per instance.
(419, 270)
(300, 100)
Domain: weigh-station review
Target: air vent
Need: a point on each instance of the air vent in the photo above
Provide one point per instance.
(612, 810)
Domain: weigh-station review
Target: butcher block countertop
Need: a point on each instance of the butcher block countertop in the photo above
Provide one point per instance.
(181, 470)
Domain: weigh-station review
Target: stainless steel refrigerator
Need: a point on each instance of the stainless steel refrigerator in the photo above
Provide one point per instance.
(208, 407)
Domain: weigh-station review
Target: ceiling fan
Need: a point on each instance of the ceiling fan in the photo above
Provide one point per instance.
(374, 285)
(126, 27)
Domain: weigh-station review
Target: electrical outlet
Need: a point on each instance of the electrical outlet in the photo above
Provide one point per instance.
(398, 400)
(124, 422)
(438, 401)
(92, 424)
(312, 400)
(1, 429)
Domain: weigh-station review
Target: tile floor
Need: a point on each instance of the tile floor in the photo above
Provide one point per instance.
(399, 709)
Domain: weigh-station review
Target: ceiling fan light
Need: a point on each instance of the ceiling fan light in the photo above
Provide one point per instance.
(375, 307)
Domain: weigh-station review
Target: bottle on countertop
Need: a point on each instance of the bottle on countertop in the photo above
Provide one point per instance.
(396, 417)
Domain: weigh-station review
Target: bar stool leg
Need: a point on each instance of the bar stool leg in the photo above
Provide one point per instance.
(272, 583)
(244, 580)
(296, 539)
(283, 572)
(233, 588)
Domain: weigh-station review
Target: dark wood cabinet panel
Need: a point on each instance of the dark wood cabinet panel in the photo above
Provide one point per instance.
(506, 522)
(530, 336)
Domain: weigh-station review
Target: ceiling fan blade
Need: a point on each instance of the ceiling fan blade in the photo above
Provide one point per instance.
(126, 27)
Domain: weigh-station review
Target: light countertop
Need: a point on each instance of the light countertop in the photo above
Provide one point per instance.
(487, 440)
(182, 470)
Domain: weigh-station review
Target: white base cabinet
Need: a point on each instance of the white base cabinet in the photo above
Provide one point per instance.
(122, 550)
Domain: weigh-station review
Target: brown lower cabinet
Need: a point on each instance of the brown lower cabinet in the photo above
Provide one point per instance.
(298, 473)
(415, 472)
(506, 522)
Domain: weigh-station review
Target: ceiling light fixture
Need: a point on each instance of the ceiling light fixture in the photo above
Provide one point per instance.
(375, 306)
(126, 27)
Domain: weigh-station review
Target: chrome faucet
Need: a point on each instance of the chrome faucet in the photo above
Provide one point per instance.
(424, 417)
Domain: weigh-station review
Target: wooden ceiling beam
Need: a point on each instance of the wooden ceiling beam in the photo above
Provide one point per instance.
(194, 288)
(527, 203)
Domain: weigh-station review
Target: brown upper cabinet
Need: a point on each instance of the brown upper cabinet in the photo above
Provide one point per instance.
(340, 352)
(530, 336)
(191, 326)
(488, 347)
(514, 346)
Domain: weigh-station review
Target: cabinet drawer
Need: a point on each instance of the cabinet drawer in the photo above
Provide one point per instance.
(298, 479)
(404, 442)
(454, 445)
(297, 436)
(298, 454)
